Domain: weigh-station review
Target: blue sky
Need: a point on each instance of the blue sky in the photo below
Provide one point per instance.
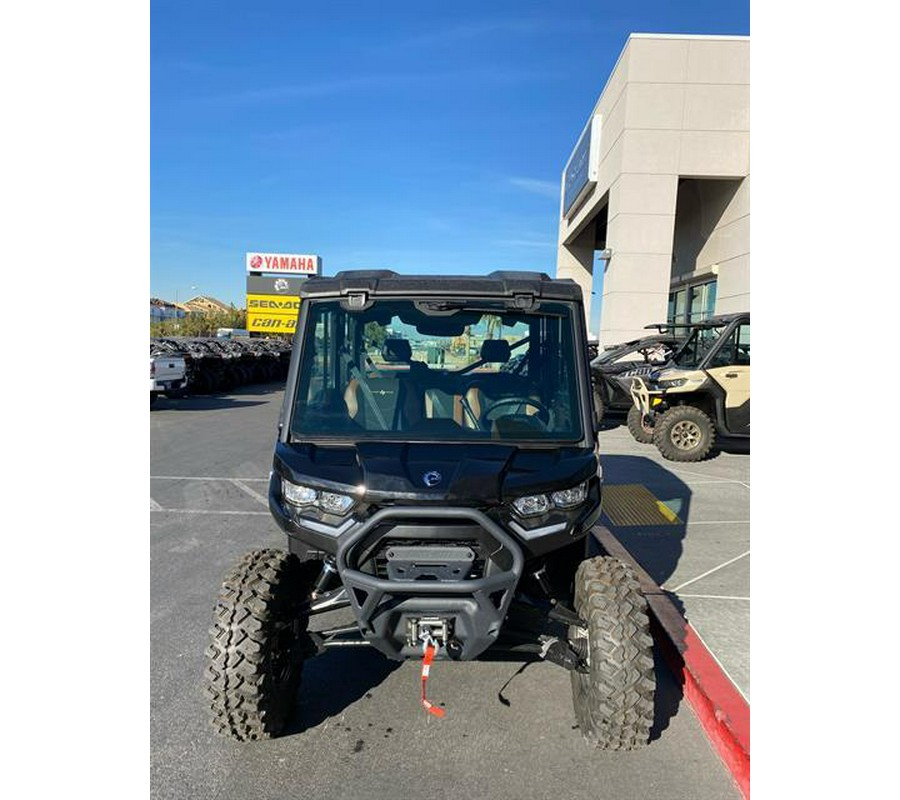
(420, 137)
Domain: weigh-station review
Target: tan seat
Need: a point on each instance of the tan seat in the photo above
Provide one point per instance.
(436, 410)
(379, 406)
(351, 398)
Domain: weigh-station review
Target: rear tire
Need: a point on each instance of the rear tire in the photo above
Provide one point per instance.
(257, 647)
(613, 700)
(684, 433)
(641, 432)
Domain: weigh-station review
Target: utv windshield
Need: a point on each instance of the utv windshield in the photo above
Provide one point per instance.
(440, 370)
(651, 351)
(697, 347)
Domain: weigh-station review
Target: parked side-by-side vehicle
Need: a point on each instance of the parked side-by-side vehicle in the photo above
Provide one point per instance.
(702, 393)
(615, 366)
(436, 471)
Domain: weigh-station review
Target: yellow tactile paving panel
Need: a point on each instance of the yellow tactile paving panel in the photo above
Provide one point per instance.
(634, 504)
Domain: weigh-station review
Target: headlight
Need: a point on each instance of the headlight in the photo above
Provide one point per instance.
(299, 495)
(329, 502)
(534, 504)
(531, 505)
(333, 503)
(672, 383)
(569, 498)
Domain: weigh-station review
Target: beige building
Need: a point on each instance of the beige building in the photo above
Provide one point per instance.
(657, 190)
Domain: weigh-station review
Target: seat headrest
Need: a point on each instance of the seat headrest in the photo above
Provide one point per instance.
(495, 351)
(396, 350)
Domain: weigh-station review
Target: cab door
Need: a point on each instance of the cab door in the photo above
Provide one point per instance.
(731, 370)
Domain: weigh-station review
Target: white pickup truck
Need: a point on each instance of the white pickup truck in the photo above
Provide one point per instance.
(168, 376)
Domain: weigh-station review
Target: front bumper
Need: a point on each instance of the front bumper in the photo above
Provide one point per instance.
(473, 608)
(167, 386)
(646, 397)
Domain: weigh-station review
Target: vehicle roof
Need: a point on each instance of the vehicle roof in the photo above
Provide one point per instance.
(664, 326)
(657, 338)
(500, 283)
(722, 319)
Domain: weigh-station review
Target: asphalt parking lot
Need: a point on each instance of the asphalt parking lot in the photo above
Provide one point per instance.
(358, 729)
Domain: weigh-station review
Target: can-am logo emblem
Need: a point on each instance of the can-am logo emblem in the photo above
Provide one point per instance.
(432, 478)
(281, 285)
(256, 262)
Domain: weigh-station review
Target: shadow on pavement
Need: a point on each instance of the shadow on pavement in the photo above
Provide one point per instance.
(657, 549)
(723, 444)
(210, 402)
(732, 446)
(334, 681)
(668, 695)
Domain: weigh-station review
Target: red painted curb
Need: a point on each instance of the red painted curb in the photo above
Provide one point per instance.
(721, 710)
(723, 713)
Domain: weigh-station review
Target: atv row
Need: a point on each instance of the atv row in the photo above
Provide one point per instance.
(220, 365)
(436, 473)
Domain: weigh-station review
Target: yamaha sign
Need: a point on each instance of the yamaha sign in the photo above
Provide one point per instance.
(283, 264)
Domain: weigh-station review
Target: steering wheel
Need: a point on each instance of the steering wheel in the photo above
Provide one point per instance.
(543, 413)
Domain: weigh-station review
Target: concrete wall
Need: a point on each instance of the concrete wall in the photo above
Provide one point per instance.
(712, 226)
(673, 106)
(729, 247)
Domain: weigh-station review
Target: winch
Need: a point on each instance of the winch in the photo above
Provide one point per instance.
(423, 629)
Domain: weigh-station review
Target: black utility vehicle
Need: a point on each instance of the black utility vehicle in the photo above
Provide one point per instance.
(436, 470)
(614, 368)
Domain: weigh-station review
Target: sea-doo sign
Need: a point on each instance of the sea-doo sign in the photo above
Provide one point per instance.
(267, 313)
(583, 166)
(284, 264)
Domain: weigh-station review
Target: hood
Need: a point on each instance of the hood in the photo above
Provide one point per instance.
(460, 474)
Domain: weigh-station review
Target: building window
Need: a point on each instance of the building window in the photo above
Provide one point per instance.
(678, 306)
(693, 303)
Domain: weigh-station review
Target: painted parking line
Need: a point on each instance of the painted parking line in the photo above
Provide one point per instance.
(704, 483)
(708, 572)
(720, 478)
(209, 511)
(203, 478)
(248, 491)
(714, 596)
(154, 506)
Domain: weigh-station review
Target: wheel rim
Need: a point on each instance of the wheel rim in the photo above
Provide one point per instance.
(281, 661)
(686, 434)
(583, 633)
